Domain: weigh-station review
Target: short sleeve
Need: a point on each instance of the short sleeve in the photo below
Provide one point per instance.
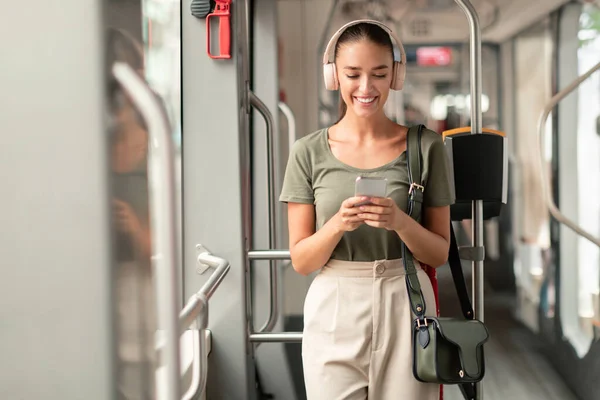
(438, 192)
(297, 181)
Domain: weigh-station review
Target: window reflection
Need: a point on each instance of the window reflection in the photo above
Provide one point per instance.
(149, 41)
(134, 295)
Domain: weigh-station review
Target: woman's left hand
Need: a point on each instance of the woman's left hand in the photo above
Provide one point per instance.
(382, 213)
(125, 217)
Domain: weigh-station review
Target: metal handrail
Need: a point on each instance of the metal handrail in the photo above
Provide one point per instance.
(221, 266)
(273, 337)
(198, 368)
(196, 308)
(552, 207)
(476, 128)
(273, 283)
(161, 166)
(276, 337)
(291, 120)
(269, 255)
(195, 316)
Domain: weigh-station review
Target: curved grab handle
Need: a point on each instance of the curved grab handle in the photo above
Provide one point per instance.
(291, 119)
(199, 365)
(195, 313)
(196, 367)
(161, 166)
(196, 309)
(274, 289)
(560, 217)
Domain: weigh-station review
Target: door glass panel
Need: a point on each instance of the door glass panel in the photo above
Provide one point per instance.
(588, 171)
(145, 34)
(134, 294)
(162, 50)
(162, 47)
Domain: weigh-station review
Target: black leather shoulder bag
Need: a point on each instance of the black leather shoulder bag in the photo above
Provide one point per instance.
(445, 350)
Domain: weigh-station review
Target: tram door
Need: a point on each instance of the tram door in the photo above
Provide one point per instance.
(79, 308)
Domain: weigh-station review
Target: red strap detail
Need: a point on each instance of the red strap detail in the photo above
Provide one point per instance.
(432, 274)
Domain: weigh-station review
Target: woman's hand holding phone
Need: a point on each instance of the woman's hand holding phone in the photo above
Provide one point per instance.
(377, 210)
(346, 218)
(381, 213)
(369, 206)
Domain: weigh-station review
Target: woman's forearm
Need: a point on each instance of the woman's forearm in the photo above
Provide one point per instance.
(313, 252)
(426, 246)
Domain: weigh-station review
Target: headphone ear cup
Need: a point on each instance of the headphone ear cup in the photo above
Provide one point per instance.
(398, 76)
(330, 76)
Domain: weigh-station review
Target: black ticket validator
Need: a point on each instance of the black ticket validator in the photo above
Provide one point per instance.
(479, 171)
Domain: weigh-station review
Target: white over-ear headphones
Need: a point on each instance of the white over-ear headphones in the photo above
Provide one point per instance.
(329, 71)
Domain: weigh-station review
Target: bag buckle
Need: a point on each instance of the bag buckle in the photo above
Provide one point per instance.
(415, 185)
(419, 323)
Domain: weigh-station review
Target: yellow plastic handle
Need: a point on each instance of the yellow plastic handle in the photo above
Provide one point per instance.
(467, 129)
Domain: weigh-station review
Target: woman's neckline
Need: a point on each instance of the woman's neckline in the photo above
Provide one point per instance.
(325, 138)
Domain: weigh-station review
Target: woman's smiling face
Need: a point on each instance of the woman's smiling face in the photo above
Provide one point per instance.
(364, 72)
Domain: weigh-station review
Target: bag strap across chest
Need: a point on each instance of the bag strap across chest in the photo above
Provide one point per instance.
(414, 208)
(414, 161)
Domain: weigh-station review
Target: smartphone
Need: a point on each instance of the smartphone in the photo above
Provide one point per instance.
(370, 186)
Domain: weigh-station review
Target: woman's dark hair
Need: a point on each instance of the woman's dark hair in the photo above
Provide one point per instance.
(356, 33)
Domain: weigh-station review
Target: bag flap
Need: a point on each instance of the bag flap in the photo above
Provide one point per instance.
(468, 336)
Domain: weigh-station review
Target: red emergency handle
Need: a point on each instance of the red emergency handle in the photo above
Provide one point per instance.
(222, 10)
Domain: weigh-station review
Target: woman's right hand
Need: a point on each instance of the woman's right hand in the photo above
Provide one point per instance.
(347, 219)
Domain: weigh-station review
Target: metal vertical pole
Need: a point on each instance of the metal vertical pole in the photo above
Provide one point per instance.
(242, 24)
(273, 279)
(322, 103)
(476, 128)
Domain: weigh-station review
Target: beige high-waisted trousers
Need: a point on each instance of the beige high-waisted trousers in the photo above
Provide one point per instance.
(357, 333)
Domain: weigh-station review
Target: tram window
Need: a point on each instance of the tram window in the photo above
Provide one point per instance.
(532, 78)
(588, 171)
(579, 173)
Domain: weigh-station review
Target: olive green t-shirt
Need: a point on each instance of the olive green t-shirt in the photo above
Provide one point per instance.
(315, 176)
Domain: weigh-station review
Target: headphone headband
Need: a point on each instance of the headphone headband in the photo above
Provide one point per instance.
(329, 55)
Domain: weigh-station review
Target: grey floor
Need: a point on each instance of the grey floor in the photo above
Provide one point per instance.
(516, 368)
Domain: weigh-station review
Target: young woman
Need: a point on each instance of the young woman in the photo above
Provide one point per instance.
(357, 317)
